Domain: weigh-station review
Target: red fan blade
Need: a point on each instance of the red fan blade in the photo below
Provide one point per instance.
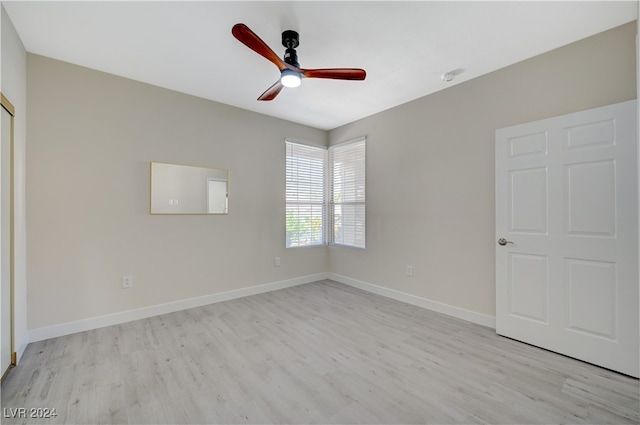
(255, 43)
(272, 91)
(336, 73)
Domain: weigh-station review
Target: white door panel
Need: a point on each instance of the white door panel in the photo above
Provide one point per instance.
(529, 286)
(566, 200)
(590, 199)
(528, 200)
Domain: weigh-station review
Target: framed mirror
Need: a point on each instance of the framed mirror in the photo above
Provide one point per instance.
(186, 189)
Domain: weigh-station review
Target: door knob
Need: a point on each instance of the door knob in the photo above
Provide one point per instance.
(503, 241)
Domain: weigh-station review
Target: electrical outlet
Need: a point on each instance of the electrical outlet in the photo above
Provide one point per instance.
(277, 262)
(409, 271)
(127, 282)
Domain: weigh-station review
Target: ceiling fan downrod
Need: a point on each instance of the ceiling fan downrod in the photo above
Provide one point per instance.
(291, 40)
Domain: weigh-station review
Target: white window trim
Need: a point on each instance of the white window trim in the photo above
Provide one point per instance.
(330, 206)
(324, 188)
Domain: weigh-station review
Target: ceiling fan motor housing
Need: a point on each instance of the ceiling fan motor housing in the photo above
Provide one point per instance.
(291, 40)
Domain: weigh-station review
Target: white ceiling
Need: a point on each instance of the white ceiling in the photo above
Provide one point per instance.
(404, 46)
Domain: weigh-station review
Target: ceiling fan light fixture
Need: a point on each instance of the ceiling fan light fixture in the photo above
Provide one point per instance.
(290, 78)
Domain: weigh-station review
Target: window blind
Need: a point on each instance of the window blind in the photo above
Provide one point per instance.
(305, 195)
(347, 193)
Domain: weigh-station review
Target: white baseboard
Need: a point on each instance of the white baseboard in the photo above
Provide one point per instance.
(460, 313)
(68, 328)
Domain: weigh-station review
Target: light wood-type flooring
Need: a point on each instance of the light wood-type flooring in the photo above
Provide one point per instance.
(317, 353)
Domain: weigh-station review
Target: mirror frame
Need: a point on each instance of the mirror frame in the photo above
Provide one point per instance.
(160, 211)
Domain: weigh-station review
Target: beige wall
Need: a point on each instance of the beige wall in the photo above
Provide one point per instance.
(430, 167)
(430, 193)
(14, 87)
(91, 138)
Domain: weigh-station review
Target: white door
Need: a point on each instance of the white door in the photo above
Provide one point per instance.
(6, 348)
(217, 196)
(567, 211)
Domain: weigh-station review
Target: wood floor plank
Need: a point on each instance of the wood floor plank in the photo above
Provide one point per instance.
(317, 353)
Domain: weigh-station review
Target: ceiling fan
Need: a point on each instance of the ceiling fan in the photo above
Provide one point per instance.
(290, 72)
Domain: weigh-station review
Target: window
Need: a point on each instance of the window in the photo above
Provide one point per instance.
(347, 193)
(305, 195)
(314, 174)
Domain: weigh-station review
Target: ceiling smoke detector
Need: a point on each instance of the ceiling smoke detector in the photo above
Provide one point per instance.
(447, 77)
